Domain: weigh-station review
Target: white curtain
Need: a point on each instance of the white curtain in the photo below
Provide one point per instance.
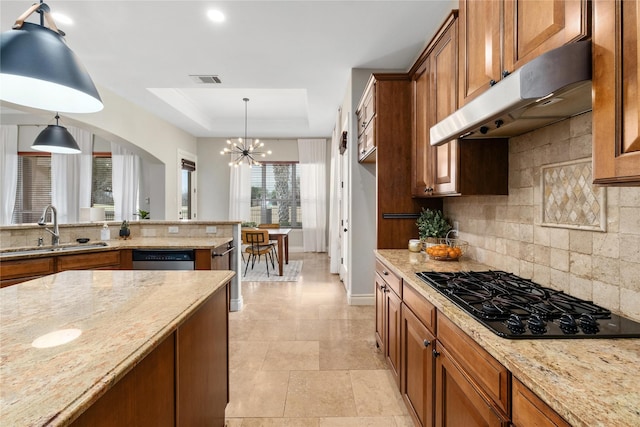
(312, 154)
(71, 178)
(240, 193)
(334, 201)
(9, 174)
(125, 182)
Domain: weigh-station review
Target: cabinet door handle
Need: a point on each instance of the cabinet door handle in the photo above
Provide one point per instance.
(435, 353)
(505, 73)
(386, 273)
(492, 82)
(214, 254)
(427, 343)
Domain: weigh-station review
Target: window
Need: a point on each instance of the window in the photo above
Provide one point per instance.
(34, 186)
(101, 184)
(33, 192)
(188, 167)
(275, 194)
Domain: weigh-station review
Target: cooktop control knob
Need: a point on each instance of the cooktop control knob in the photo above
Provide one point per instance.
(515, 325)
(588, 324)
(536, 324)
(568, 324)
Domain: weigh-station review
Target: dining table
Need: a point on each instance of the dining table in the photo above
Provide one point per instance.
(281, 235)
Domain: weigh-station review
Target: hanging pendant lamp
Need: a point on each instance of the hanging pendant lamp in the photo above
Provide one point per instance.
(56, 139)
(245, 150)
(39, 70)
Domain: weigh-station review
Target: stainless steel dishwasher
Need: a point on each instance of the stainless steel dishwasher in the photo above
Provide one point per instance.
(163, 259)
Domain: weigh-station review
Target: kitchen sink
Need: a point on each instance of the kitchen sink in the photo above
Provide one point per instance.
(52, 249)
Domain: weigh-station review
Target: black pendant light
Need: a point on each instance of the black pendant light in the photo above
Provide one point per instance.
(37, 68)
(56, 139)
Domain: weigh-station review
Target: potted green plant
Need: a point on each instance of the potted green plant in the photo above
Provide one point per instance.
(124, 229)
(142, 214)
(432, 224)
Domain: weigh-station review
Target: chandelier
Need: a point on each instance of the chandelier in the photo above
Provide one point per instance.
(245, 150)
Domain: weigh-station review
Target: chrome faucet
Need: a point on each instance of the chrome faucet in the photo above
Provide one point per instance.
(55, 233)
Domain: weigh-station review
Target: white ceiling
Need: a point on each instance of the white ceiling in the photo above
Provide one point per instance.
(291, 58)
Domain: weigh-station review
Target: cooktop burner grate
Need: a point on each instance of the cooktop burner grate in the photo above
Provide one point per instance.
(514, 307)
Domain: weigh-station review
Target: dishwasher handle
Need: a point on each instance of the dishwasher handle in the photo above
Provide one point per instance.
(215, 254)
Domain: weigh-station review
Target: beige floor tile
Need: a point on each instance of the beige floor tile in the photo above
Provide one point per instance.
(351, 354)
(321, 330)
(258, 311)
(358, 422)
(274, 330)
(404, 421)
(300, 311)
(320, 394)
(292, 355)
(346, 312)
(240, 329)
(266, 397)
(233, 422)
(376, 393)
(247, 355)
(281, 422)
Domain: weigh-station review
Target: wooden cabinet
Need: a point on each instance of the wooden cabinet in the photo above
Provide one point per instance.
(530, 411)
(388, 309)
(182, 382)
(459, 401)
(218, 258)
(103, 260)
(366, 118)
(616, 93)
(21, 270)
(396, 210)
(417, 342)
(459, 166)
(498, 37)
(472, 388)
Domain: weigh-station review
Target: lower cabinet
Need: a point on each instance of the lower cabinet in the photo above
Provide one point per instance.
(417, 378)
(388, 308)
(21, 270)
(530, 411)
(104, 260)
(459, 401)
(183, 382)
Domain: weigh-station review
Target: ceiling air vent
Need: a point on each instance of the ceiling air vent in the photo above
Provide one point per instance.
(206, 79)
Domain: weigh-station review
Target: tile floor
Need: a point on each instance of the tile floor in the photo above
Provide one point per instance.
(300, 356)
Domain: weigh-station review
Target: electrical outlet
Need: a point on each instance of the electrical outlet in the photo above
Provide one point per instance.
(212, 229)
(456, 226)
(173, 229)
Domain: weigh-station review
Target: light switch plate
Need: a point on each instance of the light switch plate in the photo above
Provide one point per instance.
(212, 229)
(173, 229)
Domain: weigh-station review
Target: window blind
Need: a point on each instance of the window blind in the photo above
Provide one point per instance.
(275, 194)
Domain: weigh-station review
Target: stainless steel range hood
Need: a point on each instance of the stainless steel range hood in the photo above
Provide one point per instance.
(550, 88)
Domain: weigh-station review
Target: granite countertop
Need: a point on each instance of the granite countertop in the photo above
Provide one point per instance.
(122, 316)
(589, 382)
(133, 243)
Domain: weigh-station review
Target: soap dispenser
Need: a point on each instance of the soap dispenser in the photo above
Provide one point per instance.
(105, 233)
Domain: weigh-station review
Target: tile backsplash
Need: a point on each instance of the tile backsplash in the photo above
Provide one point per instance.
(574, 255)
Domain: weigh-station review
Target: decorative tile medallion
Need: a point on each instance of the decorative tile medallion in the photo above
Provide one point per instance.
(569, 200)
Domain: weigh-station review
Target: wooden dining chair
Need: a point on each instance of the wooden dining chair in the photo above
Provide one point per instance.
(274, 242)
(257, 242)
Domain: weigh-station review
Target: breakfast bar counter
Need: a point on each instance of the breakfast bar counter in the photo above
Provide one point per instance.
(66, 339)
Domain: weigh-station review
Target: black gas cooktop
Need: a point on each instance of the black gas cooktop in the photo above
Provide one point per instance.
(517, 308)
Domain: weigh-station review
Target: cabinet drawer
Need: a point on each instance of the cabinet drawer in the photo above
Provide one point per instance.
(491, 376)
(388, 276)
(26, 268)
(423, 309)
(529, 410)
(105, 259)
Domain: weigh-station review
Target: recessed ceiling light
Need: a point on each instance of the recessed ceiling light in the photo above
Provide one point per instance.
(215, 15)
(60, 18)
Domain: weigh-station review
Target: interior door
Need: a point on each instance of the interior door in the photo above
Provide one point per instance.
(344, 210)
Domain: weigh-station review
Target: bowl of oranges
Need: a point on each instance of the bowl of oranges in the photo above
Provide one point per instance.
(446, 249)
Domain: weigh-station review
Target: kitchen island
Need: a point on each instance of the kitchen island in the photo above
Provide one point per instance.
(117, 346)
(588, 382)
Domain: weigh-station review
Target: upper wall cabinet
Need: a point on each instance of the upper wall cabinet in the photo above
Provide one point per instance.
(525, 29)
(616, 92)
(457, 167)
(366, 116)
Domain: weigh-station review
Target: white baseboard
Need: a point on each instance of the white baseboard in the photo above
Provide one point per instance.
(235, 304)
(362, 299)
